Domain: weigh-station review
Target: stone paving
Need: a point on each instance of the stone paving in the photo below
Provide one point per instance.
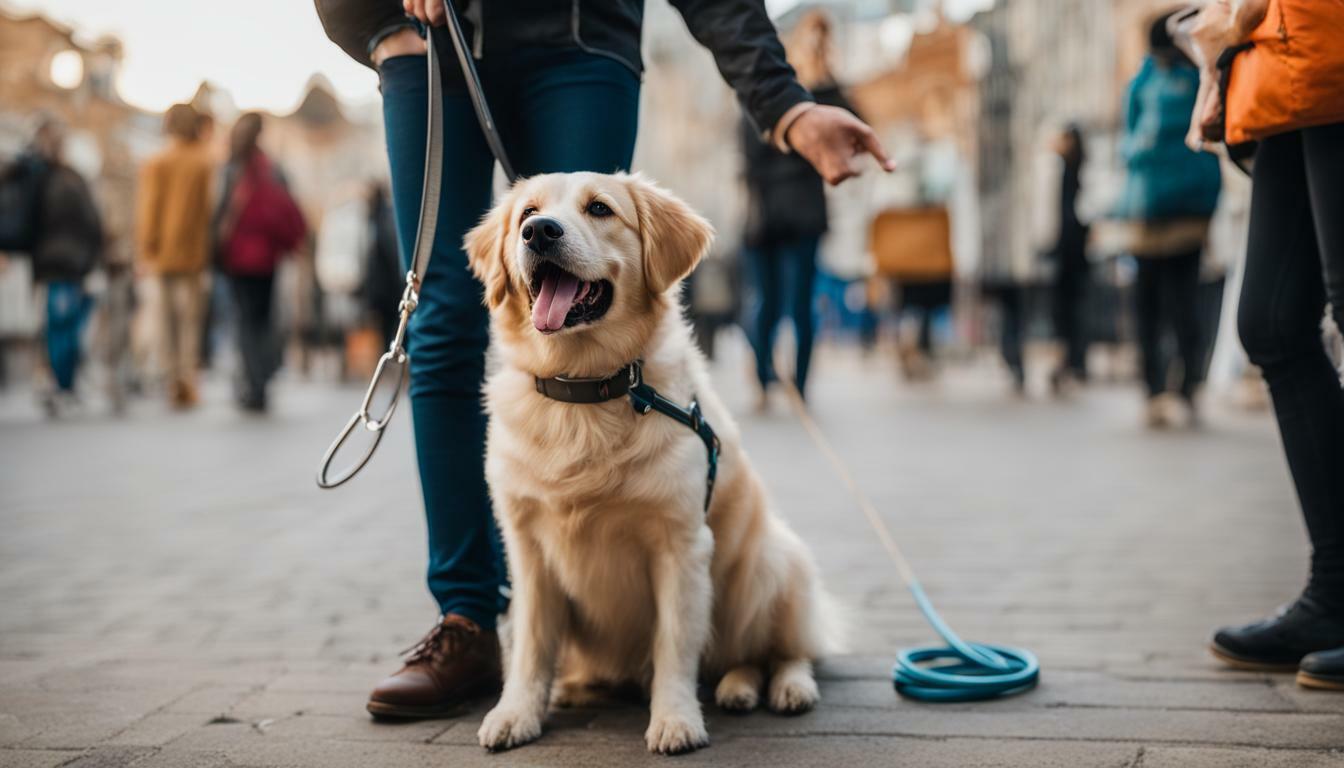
(175, 592)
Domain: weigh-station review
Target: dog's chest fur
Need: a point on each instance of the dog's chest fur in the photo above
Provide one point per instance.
(600, 489)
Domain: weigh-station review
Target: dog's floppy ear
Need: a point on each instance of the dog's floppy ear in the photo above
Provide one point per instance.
(673, 236)
(484, 245)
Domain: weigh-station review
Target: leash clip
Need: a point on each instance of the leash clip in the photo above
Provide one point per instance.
(396, 357)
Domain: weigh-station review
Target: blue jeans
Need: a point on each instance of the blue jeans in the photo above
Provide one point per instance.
(780, 273)
(67, 309)
(558, 110)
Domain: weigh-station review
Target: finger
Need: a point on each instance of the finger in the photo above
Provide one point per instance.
(434, 9)
(838, 172)
(868, 140)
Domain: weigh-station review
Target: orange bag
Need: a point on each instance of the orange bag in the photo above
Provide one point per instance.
(1293, 75)
(913, 244)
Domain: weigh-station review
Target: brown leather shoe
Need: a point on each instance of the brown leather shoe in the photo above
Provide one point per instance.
(455, 663)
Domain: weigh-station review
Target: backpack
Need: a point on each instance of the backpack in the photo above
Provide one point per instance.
(21, 184)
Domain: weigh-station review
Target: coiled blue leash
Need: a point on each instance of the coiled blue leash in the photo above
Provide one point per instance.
(957, 671)
(971, 672)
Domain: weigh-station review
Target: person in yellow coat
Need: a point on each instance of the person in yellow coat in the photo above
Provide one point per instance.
(173, 239)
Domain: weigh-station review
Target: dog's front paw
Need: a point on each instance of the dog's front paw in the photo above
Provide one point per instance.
(738, 691)
(507, 727)
(674, 734)
(793, 694)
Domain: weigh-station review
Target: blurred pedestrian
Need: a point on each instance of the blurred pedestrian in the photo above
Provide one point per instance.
(786, 217)
(1007, 294)
(1171, 191)
(563, 83)
(215, 314)
(173, 231)
(67, 245)
(1069, 255)
(383, 278)
(256, 225)
(1285, 93)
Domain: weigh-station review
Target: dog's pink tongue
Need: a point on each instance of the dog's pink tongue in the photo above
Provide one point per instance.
(554, 301)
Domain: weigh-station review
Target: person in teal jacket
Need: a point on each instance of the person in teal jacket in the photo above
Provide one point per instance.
(1171, 192)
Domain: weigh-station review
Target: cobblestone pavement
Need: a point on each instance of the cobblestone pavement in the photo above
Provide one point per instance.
(175, 592)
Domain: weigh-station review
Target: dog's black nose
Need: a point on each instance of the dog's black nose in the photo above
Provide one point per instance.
(542, 232)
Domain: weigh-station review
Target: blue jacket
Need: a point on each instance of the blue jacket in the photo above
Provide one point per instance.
(1166, 179)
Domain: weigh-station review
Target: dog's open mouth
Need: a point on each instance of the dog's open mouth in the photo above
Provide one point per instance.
(561, 300)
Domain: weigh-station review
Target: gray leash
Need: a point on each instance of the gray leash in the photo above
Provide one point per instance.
(396, 358)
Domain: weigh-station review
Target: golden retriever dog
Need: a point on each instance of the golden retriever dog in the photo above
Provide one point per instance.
(620, 575)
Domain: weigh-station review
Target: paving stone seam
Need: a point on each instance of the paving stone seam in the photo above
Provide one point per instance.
(1293, 711)
(1053, 739)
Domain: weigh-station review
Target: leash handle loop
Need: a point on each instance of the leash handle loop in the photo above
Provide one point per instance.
(430, 193)
(395, 356)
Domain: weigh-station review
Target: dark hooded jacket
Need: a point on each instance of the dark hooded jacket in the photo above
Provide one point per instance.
(70, 236)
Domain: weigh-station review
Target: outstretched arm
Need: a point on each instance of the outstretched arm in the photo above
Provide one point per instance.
(751, 59)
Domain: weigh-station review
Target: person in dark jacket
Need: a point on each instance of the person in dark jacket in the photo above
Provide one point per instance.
(1172, 192)
(68, 245)
(786, 217)
(563, 80)
(257, 224)
(383, 278)
(1072, 272)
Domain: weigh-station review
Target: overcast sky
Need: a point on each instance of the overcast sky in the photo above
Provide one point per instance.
(261, 51)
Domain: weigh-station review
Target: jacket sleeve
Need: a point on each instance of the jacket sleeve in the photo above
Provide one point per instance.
(749, 56)
(148, 206)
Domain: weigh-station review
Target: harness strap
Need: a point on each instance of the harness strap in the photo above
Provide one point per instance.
(629, 381)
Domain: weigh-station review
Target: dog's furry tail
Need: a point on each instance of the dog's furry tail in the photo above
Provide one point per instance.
(834, 623)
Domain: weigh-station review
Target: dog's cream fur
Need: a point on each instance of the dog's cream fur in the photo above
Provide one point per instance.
(618, 573)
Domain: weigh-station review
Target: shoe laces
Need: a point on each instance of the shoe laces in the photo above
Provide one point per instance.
(445, 640)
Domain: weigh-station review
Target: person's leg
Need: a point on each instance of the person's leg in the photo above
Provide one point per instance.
(1282, 300)
(269, 352)
(801, 259)
(1148, 319)
(1323, 148)
(249, 345)
(1010, 333)
(1066, 320)
(168, 334)
(1323, 152)
(760, 267)
(193, 315)
(1182, 306)
(572, 111)
(926, 330)
(447, 340)
(62, 333)
(184, 300)
(1079, 332)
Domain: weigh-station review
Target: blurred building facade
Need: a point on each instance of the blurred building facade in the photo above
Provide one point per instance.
(330, 152)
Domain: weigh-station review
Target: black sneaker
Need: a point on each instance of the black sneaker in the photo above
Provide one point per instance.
(1277, 644)
(1323, 670)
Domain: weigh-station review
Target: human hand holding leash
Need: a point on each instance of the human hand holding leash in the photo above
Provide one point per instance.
(428, 11)
(833, 140)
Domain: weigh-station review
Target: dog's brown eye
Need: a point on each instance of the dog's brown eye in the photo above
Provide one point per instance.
(528, 211)
(598, 208)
